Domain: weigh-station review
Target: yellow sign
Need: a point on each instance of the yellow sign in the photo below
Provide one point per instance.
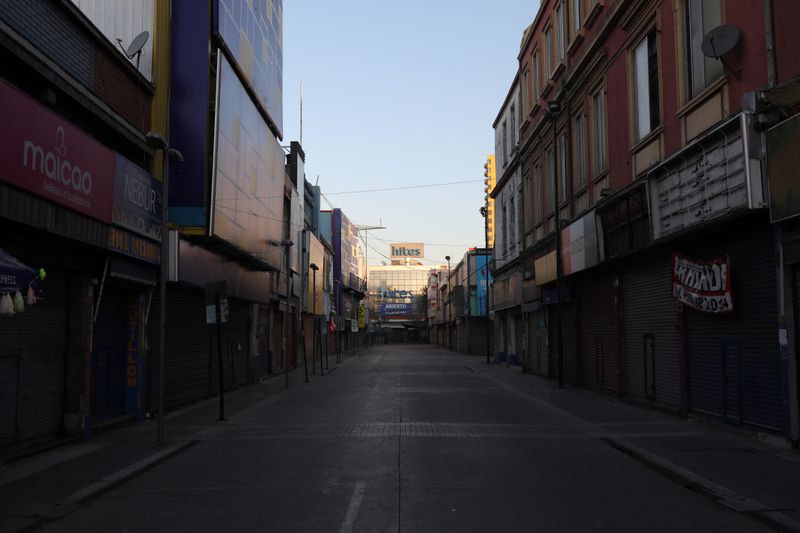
(545, 269)
(362, 316)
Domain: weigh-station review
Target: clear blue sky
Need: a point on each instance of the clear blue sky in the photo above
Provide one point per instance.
(400, 94)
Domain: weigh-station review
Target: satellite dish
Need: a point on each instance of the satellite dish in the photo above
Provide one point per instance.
(137, 44)
(719, 41)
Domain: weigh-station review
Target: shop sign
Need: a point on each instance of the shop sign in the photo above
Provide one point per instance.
(46, 155)
(402, 250)
(137, 200)
(395, 309)
(126, 243)
(362, 316)
(579, 249)
(701, 284)
(354, 326)
(545, 268)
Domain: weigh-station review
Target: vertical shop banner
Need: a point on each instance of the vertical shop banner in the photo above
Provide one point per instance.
(46, 155)
(482, 279)
(133, 355)
(704, 285)
(137, 200)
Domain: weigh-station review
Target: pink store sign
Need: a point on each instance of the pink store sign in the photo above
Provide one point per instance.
(45, 154)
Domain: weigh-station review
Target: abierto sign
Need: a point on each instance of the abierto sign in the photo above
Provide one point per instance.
(46, 155)
(411, 250)
(704, 285)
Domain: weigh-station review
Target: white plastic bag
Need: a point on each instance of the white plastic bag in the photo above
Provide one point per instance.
(6, 305)
(19, 303)
(31, 296)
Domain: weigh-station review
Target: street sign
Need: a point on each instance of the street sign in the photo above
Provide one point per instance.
(354, 326)
(216, 291)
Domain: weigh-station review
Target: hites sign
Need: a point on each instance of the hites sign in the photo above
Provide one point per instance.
(702, 285)
(412, 250)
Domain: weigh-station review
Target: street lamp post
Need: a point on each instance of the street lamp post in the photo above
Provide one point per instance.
(485, 214)
(553, 111)
(314, 267)
(157, 142)
(447, 317)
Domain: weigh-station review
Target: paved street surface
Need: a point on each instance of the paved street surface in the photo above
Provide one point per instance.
(413, 438)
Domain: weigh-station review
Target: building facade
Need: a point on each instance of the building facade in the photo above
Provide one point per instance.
(644, 181)
(398, 302)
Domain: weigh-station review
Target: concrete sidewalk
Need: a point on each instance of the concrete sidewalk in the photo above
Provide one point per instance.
(51, 485)
(747, 472)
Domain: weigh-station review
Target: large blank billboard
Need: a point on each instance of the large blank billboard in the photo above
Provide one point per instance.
(248, 173)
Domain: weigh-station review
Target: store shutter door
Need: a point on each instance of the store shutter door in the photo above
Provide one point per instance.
(538, 359)
(733, 360)
(32, 354)
(598, 345)
(652, 358)
(187, 365)
(235, 347)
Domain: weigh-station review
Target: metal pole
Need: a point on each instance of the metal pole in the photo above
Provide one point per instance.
(162, 297)
(219, 357)
(486, 242)
(286, 325)
(559, 347)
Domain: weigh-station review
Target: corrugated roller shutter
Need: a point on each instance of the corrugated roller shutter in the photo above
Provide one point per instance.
(538, 354)
(733, 359)
(235, 347)
(652, 357)
(32, 352)
(187, 365)
(598, 344)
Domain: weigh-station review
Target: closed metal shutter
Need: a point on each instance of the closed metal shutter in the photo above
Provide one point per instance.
(538, 352)
(235, 347)
(32, 352)
(598, 343)
(652, 357)
(188, 364)
(733, 360)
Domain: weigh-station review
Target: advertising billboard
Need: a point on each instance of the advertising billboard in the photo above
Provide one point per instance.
(410, 250)
(48, 156)
(482, 279)
(316, 278)
(579, 249)
(253, 33)
(247, 193)
(399, 309)
(783, 160)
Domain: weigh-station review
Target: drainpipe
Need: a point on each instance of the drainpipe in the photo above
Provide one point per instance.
(769, 35)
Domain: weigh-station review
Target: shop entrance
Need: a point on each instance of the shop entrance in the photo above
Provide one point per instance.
(109, 363)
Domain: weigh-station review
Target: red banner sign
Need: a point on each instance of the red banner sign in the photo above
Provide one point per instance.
(44, 154)
(701, 284)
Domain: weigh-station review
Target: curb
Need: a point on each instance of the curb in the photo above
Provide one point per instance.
(719, 494)
(72, 502)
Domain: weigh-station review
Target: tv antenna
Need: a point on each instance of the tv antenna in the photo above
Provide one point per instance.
(135, 48)
(718, 42)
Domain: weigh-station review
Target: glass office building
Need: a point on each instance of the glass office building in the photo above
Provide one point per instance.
(398, 293)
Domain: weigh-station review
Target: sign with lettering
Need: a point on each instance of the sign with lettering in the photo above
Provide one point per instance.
(704, 285)
(579, 249)
(137, 200)
(411, 250)
(46, 155)
(398, 309)
(129, 244)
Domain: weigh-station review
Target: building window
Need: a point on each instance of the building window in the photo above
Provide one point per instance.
(562, 168)
(537, 192)
(548, 53)
(513, 132)
(576, 15)
(560, 34)
(505, 229)
(551, 180)
(599, 132)
(512, 221)
(527, 195)
(580, 149)
(701, 71)
(505, 143)
(525, 89)
(645, 71)
(536, 88)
